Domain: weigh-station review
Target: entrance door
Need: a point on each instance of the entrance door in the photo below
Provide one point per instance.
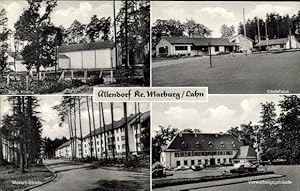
(212, 161)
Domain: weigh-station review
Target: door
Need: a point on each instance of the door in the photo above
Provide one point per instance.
(212, 161)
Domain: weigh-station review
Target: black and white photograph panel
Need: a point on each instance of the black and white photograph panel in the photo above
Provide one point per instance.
(73, 46)
(233, 142)
(240, 47)
(71, 143)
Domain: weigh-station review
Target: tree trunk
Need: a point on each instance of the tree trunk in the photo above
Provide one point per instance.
(21, 144)
(95, 144)
(104, 130)
(112, 128)
(72, 135)
(90, 126)
(80, 126)
(126, 130)
(1, 142)
(75, 133)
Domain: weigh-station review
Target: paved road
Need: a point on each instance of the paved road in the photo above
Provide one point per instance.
(232, 74)
(84, 177)
(292, 174)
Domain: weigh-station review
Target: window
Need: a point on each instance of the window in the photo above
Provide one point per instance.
(192, 162)
(118, 139)
(98, 150)
(118, 146)
(123, 137)
(178, 163)
(230, 160)
(185, 163)
(123, 146)
(163, 50)
(97, 142)
(181, 47)
(117, 130)
(217, 49)
(218, 160)
(176, 154)
(199, 162)
(206, 161)
(281, 46)
(224, 160)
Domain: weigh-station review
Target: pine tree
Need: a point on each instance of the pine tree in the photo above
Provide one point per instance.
(4, 33)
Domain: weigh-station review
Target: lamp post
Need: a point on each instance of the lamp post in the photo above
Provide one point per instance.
(209, 49)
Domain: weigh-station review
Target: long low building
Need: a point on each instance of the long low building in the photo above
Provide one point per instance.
(276, 44)
(187, 149)
(115, 139)
(168, 46)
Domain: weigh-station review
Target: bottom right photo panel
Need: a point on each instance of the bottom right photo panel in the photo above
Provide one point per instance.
(231, 142)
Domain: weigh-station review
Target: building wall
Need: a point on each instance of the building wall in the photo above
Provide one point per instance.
(64, 63)
(164, 43)
(243, 43)
(168, 159)
(119, 137)
(89, 59)
(66, 151)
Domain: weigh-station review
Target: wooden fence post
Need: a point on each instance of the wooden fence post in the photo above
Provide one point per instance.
(27, 82)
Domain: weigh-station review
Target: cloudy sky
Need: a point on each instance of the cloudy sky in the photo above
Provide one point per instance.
(51, 120)
(65, 12)
(214, 14)
(218, 115)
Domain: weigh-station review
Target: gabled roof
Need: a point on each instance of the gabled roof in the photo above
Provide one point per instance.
(143, 117)
(230, 38)
(86, 46)
(64, 145)
(117, 124)
(272, 42)
(203, 142)
(246, 152)
(199, 41)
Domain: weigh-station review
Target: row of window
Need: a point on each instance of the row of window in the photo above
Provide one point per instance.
(217, 49)
(204, 161)
(201, 153)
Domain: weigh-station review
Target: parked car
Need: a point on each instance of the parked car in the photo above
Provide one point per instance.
(158, 170)
(197, 167)
(243, 167)
(179, 168)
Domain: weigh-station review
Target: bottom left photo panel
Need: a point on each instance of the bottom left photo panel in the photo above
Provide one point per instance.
(72, 143)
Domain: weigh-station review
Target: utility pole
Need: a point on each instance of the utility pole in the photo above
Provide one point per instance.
(115, 32)
(209, 46)
(245, 32)
(267, 38)
(258, 36)
(126, 35)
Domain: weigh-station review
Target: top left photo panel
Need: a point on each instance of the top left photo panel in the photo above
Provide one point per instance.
(70, 47)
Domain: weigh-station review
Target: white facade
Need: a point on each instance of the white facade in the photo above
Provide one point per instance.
(65, 150)
(174, 159)
(134, 134)
(88, 59)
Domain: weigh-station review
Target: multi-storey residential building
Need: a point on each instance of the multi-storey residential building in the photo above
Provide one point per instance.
(115, 139)
(67, 150)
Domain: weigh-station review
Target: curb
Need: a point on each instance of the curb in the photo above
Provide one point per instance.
(46, 182)
(239, 182)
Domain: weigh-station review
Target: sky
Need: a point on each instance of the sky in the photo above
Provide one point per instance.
(65, 12)
(219, 114)
(214, 14)
(51, 120)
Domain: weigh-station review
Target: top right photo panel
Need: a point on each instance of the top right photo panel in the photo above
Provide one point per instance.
(230, 47)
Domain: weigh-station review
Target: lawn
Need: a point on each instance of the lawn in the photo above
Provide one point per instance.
(256, 73)
(11, 178)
